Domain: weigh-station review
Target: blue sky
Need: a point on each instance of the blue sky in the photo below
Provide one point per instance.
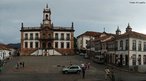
(87, 15)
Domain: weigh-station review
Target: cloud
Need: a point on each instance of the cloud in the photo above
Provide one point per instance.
(87, 15)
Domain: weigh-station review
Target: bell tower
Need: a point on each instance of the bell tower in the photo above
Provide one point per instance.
(128, 29)
(47, 16)
(118, 31)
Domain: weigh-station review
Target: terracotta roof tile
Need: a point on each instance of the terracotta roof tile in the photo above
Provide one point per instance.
(132, 34)
(4, 47)
(105, 38)
(90, 33)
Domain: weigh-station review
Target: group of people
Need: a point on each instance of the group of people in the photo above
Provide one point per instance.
(84, 67)
(19, 65)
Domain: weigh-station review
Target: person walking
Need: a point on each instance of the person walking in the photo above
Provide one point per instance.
(83, 70)
(88, 65)
(17, 65)
(112, 75)
(23, 64)
(107, 73)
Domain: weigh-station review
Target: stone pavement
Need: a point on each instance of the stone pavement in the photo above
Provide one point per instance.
(90, 80)
(46, 69)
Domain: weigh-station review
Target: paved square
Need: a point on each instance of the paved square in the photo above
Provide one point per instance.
(42, 68)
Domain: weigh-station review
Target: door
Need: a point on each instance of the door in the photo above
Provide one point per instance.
(49, 45)
(121, 60)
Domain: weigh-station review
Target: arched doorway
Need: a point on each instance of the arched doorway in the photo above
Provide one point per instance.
(121, 60)
(49, 45)
(43, 45)
(126, 59)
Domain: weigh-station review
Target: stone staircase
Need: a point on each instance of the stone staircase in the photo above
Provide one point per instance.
(41, 52)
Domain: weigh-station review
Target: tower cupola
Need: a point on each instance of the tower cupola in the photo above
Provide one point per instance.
(118, 31)
(128, 28)
(47, 15)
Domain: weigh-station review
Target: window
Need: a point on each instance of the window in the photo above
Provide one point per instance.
(44, 45)
(49, 36)
(144, 59)
(62, 36)
(87, 41)
(68, 36)
(36, 44)
(103, 46)
(36, 36)
(31, 44)
(116, 45)
(139, 46)
(56, 44)
(134, 45)
(46, 16)
(56, 36)
(127, 45)
(43, 35)
(31, 36)
(68, 45)
(144, 48)
(26, 45)
(134, 59)
(26, 36)
(62, 44)
(73, 67)
(139, 59)
(121, 45)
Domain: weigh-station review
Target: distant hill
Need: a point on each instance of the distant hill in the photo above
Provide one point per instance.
(15, 45)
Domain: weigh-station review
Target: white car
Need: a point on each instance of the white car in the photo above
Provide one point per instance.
(71, 69)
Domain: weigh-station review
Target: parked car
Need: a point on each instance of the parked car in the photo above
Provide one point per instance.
(81, 54)
(71, 69)
(99, 59)
(86, 56)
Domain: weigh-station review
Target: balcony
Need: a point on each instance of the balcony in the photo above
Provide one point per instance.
(45, 38)
(25, 38)
(36, 38)
(31, 38)
(68, 38)
(61, 38)
(56, 38)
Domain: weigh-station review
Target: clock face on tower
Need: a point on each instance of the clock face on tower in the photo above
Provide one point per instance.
(46, 22)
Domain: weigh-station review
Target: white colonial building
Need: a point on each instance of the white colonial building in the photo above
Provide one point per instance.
(84, 38)
(47, 39)
(6, 51)
(128, 49)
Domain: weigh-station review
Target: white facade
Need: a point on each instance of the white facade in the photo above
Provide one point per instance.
(59, 41)
(4, 54)
(47, 36)
(29, 39)
(139, 54)
(82, 41)
(135, 57)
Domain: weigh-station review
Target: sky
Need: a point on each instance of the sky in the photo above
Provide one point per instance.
(87, 15)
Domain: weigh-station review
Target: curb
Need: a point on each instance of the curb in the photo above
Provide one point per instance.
(90, 80)
(126, 70)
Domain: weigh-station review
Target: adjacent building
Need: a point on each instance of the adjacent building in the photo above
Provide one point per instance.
(128, 48)
(47, 39)
(84, 38)
(6, 51)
